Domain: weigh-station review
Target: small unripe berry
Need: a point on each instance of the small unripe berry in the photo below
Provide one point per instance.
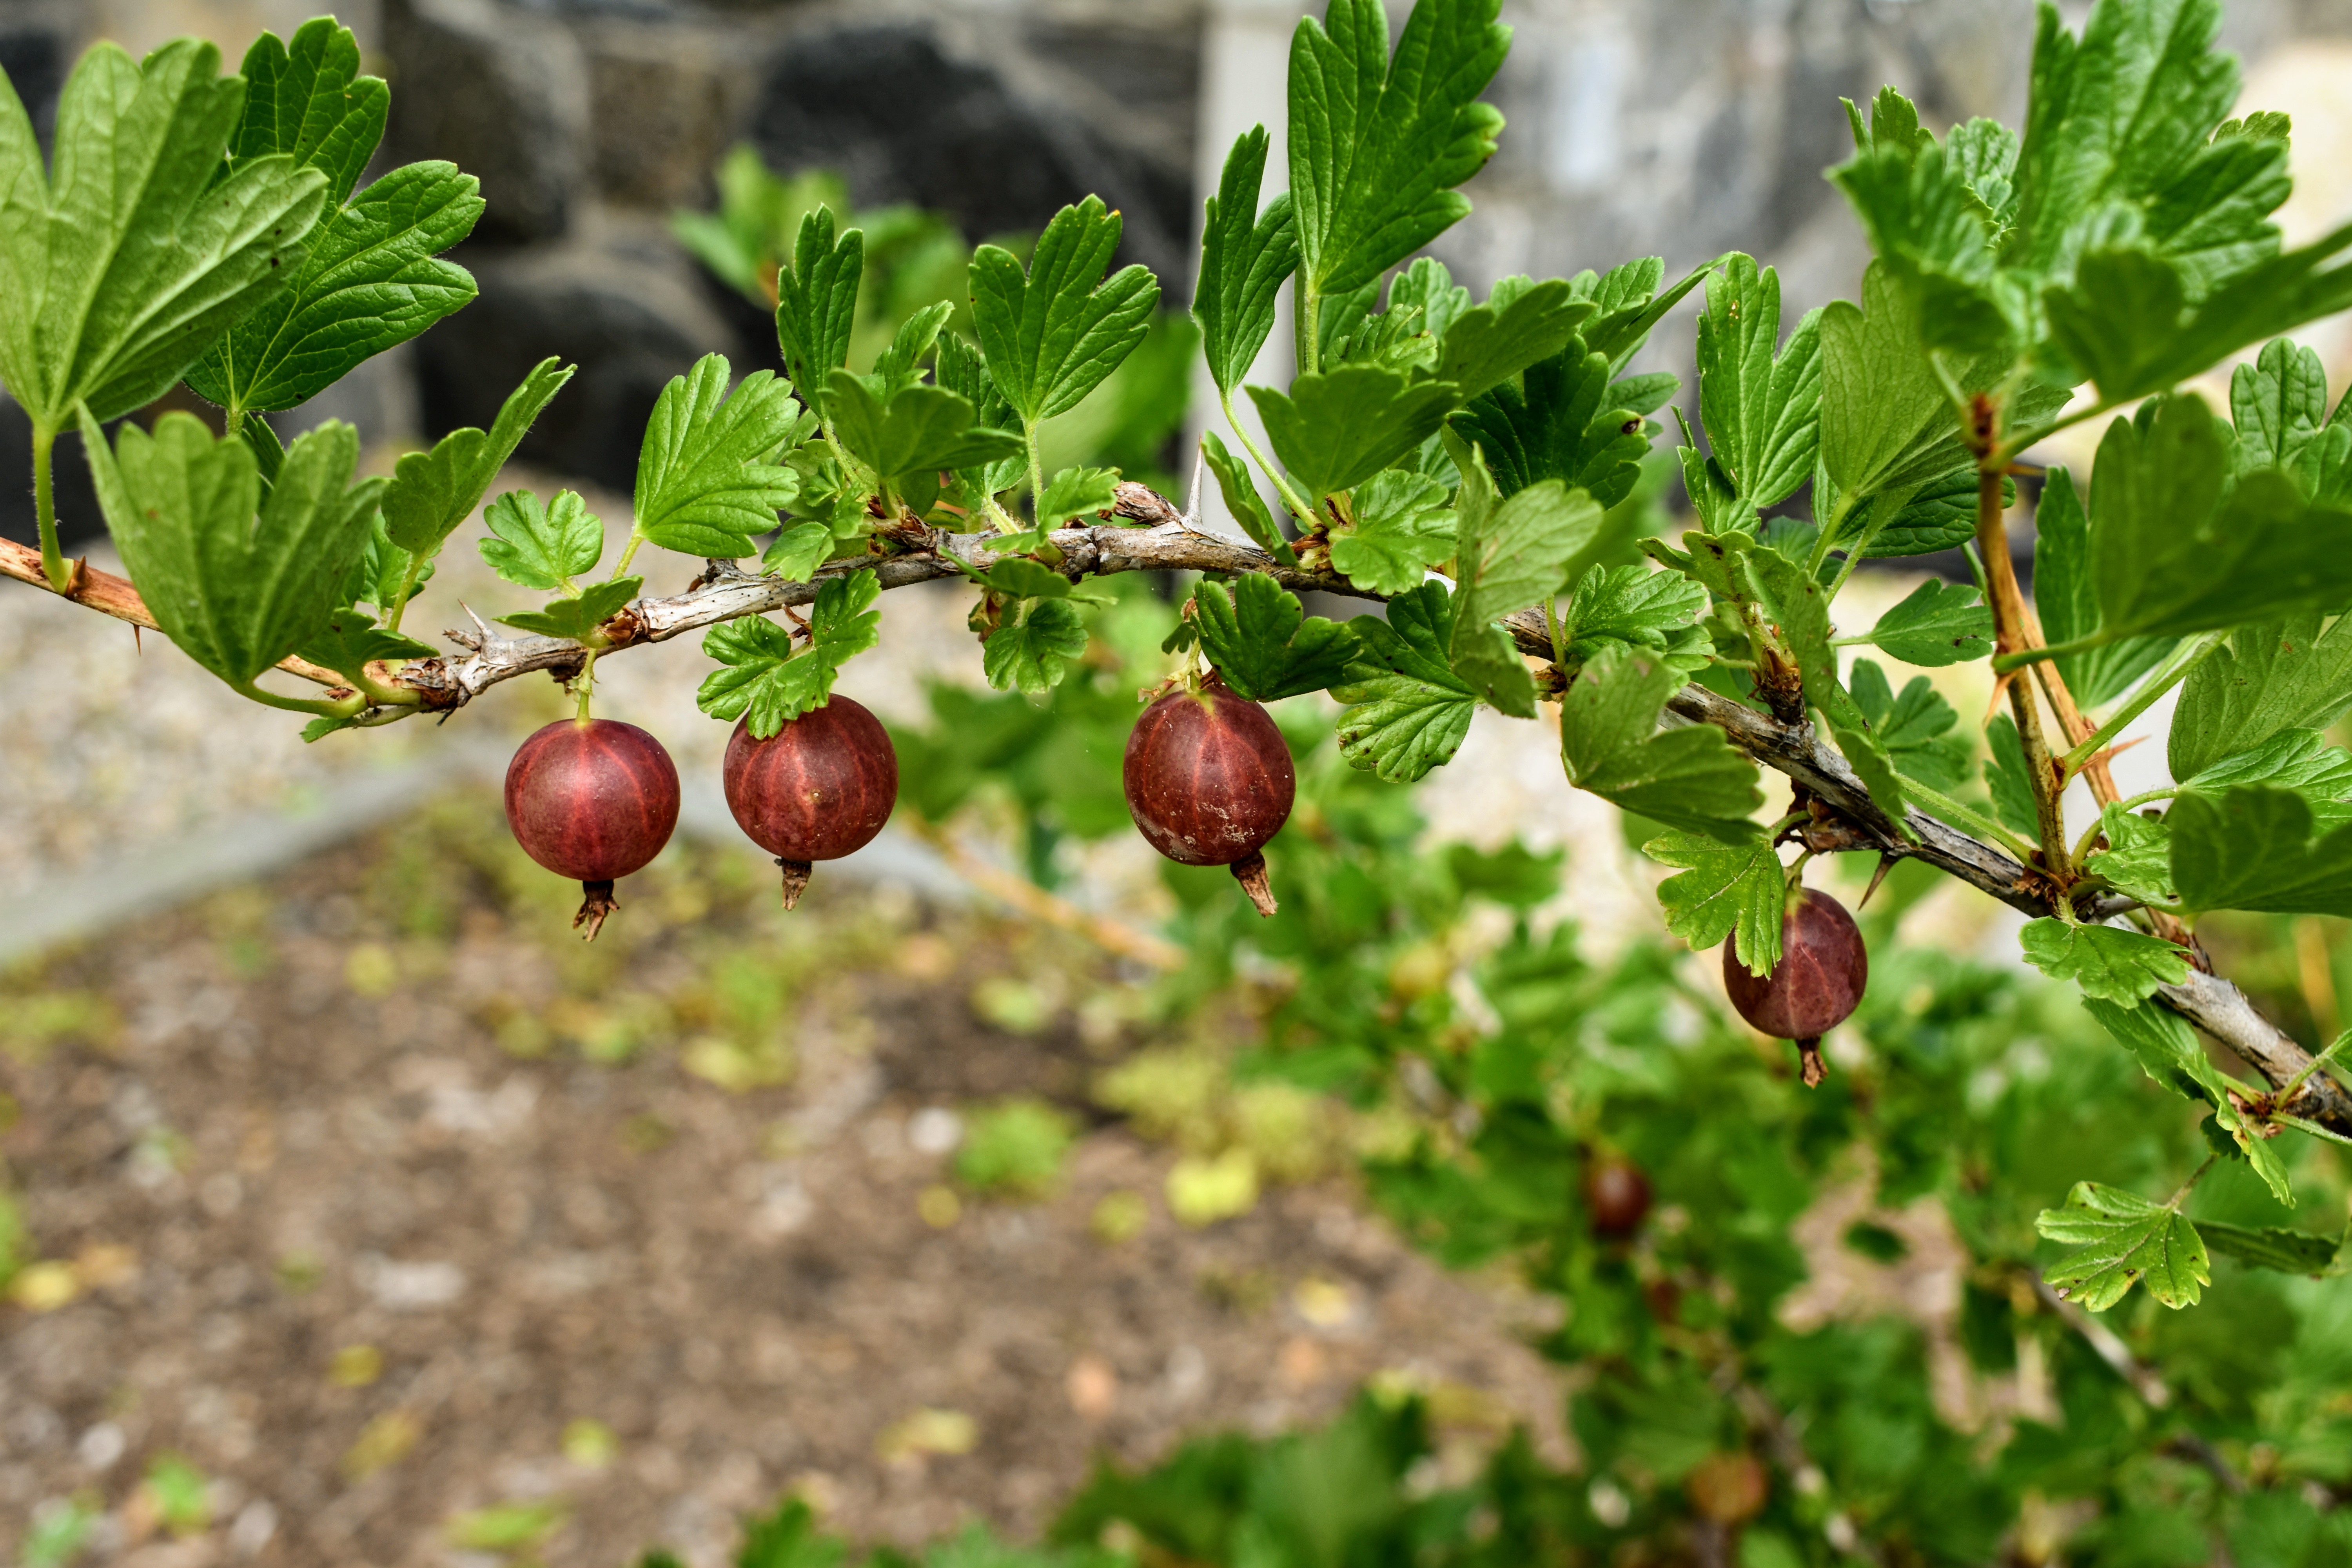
(1817, 984)
(1209, 781)
(1618, 1195)
(817, 789)
(593, 802)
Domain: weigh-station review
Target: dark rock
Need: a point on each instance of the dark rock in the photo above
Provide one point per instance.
(668, 99)
(504, 95)
(624, 306)
(905, 119)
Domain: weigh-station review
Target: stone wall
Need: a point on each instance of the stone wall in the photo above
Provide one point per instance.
(1673, 127)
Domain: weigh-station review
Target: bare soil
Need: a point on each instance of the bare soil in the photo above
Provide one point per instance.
(360, 1227)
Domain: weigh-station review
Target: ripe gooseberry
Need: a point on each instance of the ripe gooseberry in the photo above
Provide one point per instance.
(1618, 1195)
(819, 788)
(1209, 781)
(1817, 984)
(592, 801)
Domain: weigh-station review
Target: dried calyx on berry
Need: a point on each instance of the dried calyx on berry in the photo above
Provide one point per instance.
(819, 788)
(1210, 781)
(594, 800)
(1817, 984)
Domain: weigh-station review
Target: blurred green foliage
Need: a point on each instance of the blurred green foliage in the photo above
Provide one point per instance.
(1013, 1149)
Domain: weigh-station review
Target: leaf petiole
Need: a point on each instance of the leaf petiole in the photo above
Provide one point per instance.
(53, 555)
(2312, 1066)
(1298, 509)
(2190, 1185)
(2174, 671)
(325, 708)
(1966, 816)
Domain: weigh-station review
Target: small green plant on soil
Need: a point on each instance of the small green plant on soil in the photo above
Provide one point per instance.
(1486, 468)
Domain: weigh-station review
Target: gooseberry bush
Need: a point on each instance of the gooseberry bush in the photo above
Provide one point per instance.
(1481, 472)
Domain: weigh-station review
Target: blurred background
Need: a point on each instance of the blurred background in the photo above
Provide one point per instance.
(353, 1212)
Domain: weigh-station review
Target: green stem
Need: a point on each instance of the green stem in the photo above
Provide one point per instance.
(1966, 816)
(1870, 533)
(1309, 306)
(1036, 472)
(1551, 625)
(2174, 671)
(321, 706)
(1298, 509)
(585, 685)
(2025, 656)
(53, 555)
(628, 553)
(1828, 536)
(407, 591)
(2312, 1066)
(2186, 1187)
(2008, 450)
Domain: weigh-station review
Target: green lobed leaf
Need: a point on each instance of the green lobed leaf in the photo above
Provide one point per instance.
(116, 275)
(1335, 430)
(2278, 405)
(307, 99)
(1077, 493)
(1263, 644)
(370, 280)
(1760, 401)
(2139, 856)
(2008, 780)
(1033, 654)
(918, 432)
(1245, 255)
(959, 369)
(816, 299)
(381, 572)
(2129, 324)
(1799, 608)
(2068, 601)
(1633, 606)
(1687, 778)
(534, 545)
(1242, 498)
(764, 681)
(2287, 672)
(1406, 711)
(1630, 305)
(1565, 420)
(1403, 526)
(2176, 547)
(2167, 1051)
(351, 640)
(575, 615)
(1052, 333)
(1378, 144)
(2256, 849)
(1938, 624)
(1931, 231)
(1887, 426)
(2271, 1247)
(431, 492)
(1916, 728)
(2125, 1240)
(1737, 890)
(796, 552)
(2297, 759)
(235, 591)
(1489, 344)
(1509, 554)
(2109, 962)
(707, 476)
